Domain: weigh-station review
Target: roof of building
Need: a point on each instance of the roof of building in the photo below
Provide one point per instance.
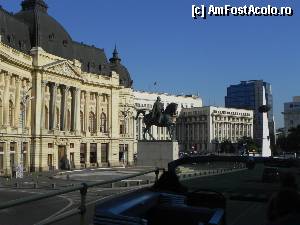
(33, 26)
(115, 65)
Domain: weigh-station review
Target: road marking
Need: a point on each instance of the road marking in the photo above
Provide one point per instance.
(71, 202)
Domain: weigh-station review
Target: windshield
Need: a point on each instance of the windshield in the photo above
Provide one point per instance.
(247, 186)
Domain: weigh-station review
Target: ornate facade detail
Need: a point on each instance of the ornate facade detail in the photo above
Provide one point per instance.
(63, 68)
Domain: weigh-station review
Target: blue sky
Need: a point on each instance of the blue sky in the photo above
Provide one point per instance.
(159, 42)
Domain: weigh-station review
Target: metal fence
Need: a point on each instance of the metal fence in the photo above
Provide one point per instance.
(83, 188)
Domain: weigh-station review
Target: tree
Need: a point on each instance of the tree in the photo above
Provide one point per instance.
(247, 143)
(227, 147)
(291, 143)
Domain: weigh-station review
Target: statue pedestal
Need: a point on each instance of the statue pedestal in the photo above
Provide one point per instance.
(156, 153)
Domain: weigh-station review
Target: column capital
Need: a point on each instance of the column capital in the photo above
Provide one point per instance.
(44, 83)
(86, 94)
(55, 85)
(18, 79)
(6, 75)
(77, 89)
(67, 88)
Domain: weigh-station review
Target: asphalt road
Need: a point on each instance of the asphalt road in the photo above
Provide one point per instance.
(243, 183)
(33, 213)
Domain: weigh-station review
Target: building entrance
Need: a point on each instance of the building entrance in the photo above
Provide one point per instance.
(63, 162)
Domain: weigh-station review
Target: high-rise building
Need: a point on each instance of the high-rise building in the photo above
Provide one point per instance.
(291, 114)
(252, 95)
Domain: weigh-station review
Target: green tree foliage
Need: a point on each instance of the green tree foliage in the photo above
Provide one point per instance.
(291, 143)
(248, 143)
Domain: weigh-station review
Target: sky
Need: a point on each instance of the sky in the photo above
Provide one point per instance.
(160, 42)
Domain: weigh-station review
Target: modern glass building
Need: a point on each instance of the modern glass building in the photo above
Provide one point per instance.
(252, 95)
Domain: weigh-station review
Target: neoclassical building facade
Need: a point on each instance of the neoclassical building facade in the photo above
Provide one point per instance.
(62, 103)
(202, 128)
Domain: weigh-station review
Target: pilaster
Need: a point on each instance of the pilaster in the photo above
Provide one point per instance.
(37, 87)
(87, 112)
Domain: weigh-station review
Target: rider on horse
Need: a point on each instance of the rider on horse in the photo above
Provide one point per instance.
(158, 109)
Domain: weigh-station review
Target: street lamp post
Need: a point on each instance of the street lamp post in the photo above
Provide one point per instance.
(25, 99)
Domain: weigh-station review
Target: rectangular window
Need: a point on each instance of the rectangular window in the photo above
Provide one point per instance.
(1, 162)
(50, 145)
(12, 146)
(122, 127)
(82, 152)
(12, 159)
(71, 145)
(123, 152)
(93, 153)
(104, 152)
(50, 160)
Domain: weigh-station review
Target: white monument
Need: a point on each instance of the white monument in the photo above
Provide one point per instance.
(266, 149)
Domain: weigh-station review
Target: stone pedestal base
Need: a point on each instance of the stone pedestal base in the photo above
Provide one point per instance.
(156, 153)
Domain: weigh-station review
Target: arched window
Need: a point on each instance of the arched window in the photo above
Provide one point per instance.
(68, 120)
(103, 123)
(93, 125)
(11, 114)
(81, 121)
(46, 118)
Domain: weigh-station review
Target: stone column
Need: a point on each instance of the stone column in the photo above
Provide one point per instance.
(52, 113)
(28, 113)
(98, 113)
(140, 128)
(6, 100)
(44, 83)
(134, 128)
(110, 104)
(17, 102)
(65, 108)
(87, 112)
(77, 124)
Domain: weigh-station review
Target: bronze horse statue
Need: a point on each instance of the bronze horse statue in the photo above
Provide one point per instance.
(165, 120)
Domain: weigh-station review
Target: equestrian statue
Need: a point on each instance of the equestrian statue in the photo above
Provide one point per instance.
(160, 118)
